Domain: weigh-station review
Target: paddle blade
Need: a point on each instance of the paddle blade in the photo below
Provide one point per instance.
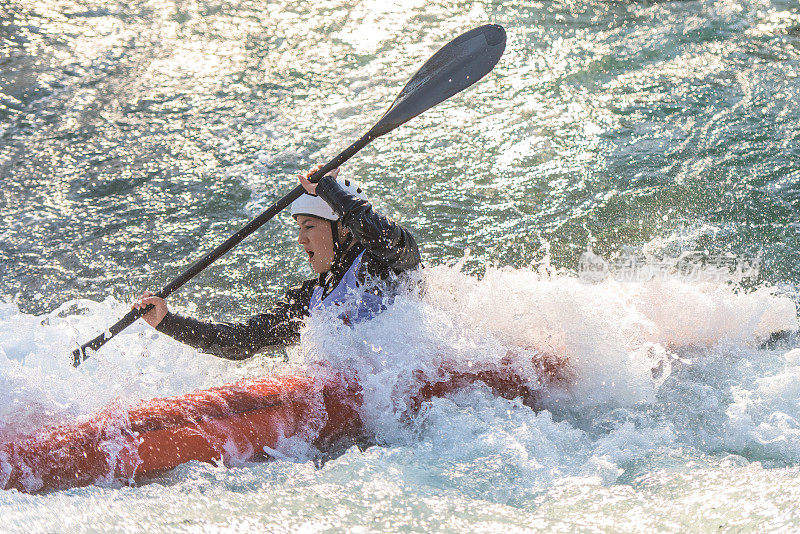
(460, 63)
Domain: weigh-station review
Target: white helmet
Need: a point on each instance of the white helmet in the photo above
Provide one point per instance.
(316, 207)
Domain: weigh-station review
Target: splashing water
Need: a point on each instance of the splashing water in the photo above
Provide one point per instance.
(655, 369)
(136, 135)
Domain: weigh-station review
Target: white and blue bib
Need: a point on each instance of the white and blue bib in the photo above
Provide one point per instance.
(349, 294)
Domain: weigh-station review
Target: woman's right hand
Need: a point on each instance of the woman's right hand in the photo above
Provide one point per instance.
(310, 188)
(154, 316)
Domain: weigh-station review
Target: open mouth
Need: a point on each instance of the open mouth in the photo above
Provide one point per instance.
(310, 254)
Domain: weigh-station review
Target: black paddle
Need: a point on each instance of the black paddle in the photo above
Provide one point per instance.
(460, 63)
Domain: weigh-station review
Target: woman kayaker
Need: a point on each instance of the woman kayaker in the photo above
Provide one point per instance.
(355, 251)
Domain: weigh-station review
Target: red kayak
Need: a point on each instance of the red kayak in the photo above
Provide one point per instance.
(228, 424)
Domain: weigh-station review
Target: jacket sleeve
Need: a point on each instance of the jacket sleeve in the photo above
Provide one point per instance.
(382, 238)
(237, 341)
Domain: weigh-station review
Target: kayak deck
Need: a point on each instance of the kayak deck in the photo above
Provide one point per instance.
(228, 424)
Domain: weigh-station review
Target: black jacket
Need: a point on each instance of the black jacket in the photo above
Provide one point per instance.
(389, 249)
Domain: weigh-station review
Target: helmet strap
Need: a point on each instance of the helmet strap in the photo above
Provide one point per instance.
(335, 235)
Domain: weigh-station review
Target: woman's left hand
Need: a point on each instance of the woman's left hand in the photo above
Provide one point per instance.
(310, 188)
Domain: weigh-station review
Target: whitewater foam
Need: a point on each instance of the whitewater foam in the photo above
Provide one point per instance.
(652, 368)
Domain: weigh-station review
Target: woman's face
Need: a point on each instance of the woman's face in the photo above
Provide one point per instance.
(315, 237)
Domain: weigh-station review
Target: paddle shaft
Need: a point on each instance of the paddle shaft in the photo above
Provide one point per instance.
(79, 354)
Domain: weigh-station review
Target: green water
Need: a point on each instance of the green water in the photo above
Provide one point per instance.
(138, 135)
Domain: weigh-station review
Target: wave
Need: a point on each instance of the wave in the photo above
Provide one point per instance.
(648, 366)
